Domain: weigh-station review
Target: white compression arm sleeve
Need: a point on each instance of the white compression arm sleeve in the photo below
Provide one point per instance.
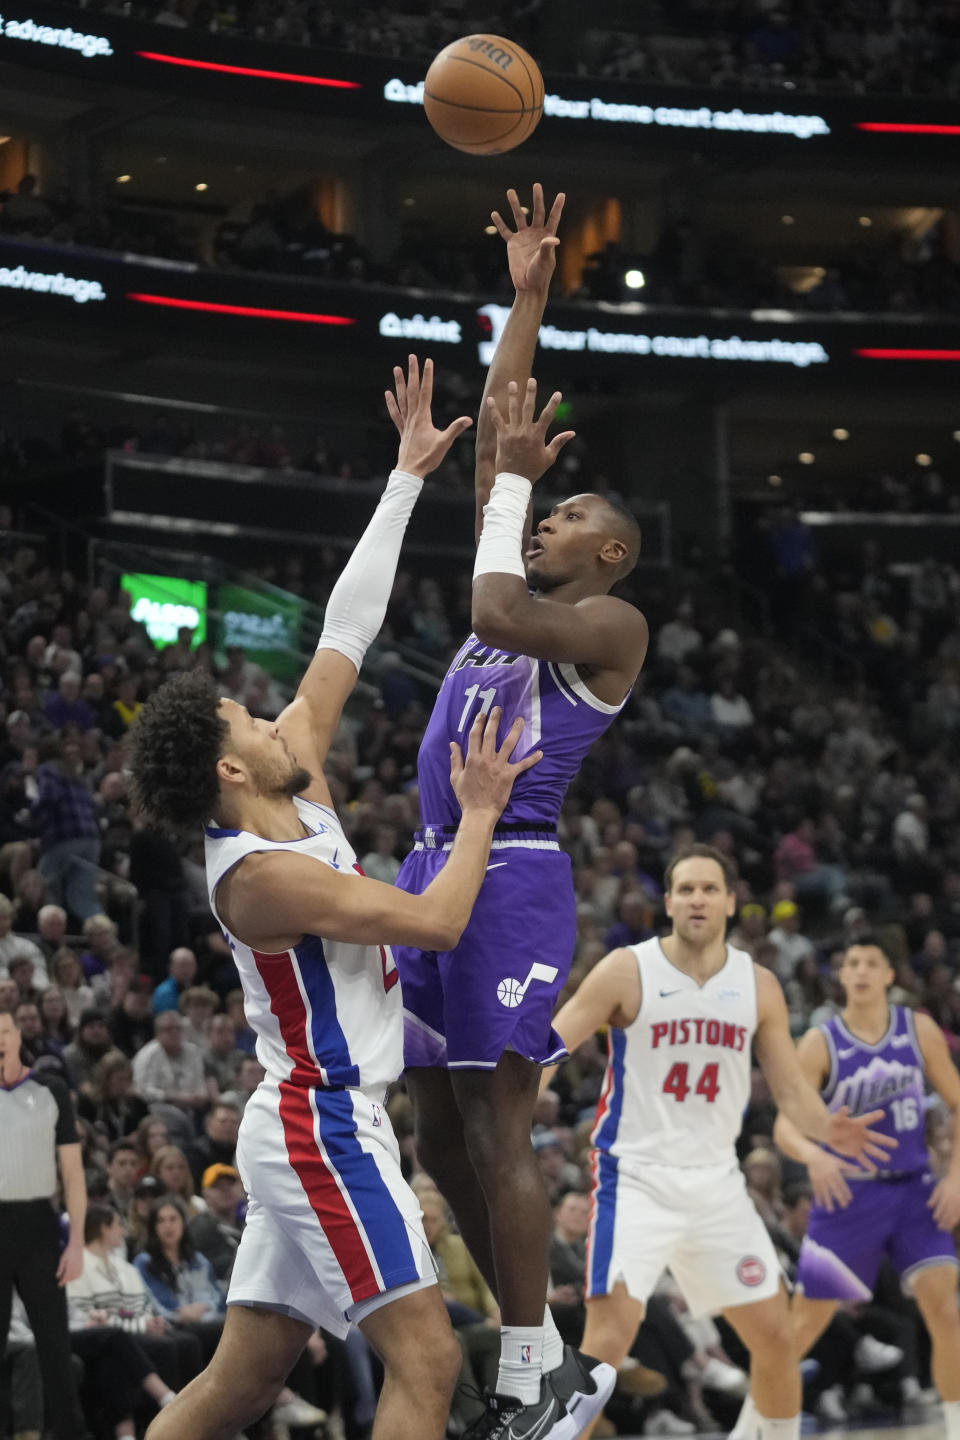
(358, 601)
(504, 516)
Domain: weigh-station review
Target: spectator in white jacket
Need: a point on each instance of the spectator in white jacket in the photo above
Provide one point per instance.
(169, 1069)
(731, 711)
(111, 1312)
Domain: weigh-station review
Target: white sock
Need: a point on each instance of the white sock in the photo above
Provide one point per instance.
(951, 1418)
(746, 1426)
(779, 1429)
(553, 1347)
(521, 1362)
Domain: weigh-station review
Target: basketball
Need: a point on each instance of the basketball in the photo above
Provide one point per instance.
(483, 94)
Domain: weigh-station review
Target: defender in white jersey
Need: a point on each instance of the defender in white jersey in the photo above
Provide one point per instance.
(333, 1234)
(683, 1013)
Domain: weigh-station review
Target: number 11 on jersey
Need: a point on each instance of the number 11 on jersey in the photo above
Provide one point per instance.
(486, 697)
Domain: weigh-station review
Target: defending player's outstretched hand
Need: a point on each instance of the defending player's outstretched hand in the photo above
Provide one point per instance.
(422, 445)
(522, 447)
(484, 779)
(851, 1135)
(531, 248)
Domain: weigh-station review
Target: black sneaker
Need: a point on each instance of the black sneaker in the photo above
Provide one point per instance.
(507, 1418)
(583, 1386)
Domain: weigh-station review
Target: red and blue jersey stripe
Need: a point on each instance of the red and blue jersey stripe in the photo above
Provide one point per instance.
(344, 1188)
(340, 1180)
(604, 1167)
(302, 998)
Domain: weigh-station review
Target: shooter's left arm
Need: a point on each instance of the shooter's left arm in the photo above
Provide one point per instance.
(600, 630)
(358, 602)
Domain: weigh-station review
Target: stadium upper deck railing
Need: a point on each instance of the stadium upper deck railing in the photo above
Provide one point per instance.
(175, 497)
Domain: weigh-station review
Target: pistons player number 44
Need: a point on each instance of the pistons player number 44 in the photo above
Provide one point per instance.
(683, 1014)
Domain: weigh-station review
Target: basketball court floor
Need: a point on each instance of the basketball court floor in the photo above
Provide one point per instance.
(926, 1429)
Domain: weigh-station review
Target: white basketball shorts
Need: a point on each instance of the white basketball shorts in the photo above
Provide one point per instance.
(698, 1222)
(333, 1230)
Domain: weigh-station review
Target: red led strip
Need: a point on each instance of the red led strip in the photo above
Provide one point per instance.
(246, 70)
(306, 317)
(891, 127)
(908, 354)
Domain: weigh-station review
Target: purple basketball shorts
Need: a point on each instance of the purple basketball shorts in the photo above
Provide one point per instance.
(497, 990)
(842, 1250)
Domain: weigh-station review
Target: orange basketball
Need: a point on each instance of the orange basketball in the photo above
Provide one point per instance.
(483, 94)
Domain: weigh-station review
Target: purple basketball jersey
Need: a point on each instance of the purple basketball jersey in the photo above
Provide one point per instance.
(562, 718)
(887, 1076)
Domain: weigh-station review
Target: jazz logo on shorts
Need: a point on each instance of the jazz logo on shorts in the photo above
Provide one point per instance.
(510, 992)
(751, 1271)
(526, 1351)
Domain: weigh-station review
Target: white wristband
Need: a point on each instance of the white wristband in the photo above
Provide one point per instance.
(504, 518)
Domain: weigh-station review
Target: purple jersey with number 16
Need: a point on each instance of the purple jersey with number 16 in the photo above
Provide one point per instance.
(561, 717)
(887, 1076)
(496, 990)
(889, 1214)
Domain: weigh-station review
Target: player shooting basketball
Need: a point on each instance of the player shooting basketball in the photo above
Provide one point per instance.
(478, 1016)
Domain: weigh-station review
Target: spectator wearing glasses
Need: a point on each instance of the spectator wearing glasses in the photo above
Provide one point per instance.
(169, 1070)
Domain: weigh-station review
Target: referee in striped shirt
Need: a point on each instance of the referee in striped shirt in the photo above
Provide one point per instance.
(38, 1128)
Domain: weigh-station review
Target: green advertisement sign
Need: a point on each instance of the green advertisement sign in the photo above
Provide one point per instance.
(265, 627)
(165, 604)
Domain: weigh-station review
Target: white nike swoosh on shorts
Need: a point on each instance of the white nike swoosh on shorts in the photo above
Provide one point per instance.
(498, 866)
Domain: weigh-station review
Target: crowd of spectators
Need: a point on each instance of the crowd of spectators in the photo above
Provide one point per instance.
(282, 234)
(899, 46)
(855, 46)
(821, 759)
(85, 434)
(693, 266)
(919, 489)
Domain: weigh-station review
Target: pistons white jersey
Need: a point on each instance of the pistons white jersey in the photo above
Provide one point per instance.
(678, 1078)
(325, 1013)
